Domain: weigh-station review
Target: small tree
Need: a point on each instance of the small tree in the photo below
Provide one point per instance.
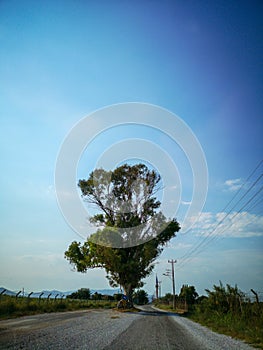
(132, 232)
(167, 298)
(140, 297)
(83, 293)
(189, 294)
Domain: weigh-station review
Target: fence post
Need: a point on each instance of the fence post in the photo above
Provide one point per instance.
(240, 303)
(28, 298)
(40, 296)
(256, 294)
(257, 300)
(3, 291)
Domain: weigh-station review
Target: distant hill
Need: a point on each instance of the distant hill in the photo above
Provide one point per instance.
(105, 291)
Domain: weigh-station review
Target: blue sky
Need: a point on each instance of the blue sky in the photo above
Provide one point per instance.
(60, 61)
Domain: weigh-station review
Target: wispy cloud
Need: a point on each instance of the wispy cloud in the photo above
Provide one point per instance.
(39, 258)
(179, 246)
(233, 184)
(239, 225)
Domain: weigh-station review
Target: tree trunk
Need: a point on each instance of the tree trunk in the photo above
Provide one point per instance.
(128, 291)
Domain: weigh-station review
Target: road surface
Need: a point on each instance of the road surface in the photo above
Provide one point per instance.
(109, 330)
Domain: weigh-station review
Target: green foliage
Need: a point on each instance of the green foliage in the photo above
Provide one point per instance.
(140, 297)
(225, 299)
(83, 293)
(108, 297)
(189, 294)
(166, 303)
(167, 298)
(96, 296)
(117, 296)
(125, 199)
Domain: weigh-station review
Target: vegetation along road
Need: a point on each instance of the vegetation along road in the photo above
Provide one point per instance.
(110, 329)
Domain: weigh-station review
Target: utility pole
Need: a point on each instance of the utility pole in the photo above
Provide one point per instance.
(160, 294)
(157, 287)
(173, 262)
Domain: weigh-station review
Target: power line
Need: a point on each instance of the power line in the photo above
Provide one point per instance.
(247, 179)
(222, 220)
(231, 223)
(254, 205)
(207, 239)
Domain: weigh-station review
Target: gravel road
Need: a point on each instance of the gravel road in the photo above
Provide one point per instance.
(89, 329)
(110, 329)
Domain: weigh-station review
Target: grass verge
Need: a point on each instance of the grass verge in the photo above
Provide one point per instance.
(169, 308)
(15, 307)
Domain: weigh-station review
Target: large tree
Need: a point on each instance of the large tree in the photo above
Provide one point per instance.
(132, 231)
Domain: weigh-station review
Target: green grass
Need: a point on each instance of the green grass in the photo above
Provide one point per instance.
(168, 307)
(14, 307)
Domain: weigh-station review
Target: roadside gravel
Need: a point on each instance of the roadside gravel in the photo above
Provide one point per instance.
(207, 339)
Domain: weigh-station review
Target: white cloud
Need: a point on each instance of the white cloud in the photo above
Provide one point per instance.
(186, 202)
(178, 246)
(233, 184)
(239, 225)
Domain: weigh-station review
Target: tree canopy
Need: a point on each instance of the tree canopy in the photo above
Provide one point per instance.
(141, 297)
(131, 231)
(83, 293)
(188, 293)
